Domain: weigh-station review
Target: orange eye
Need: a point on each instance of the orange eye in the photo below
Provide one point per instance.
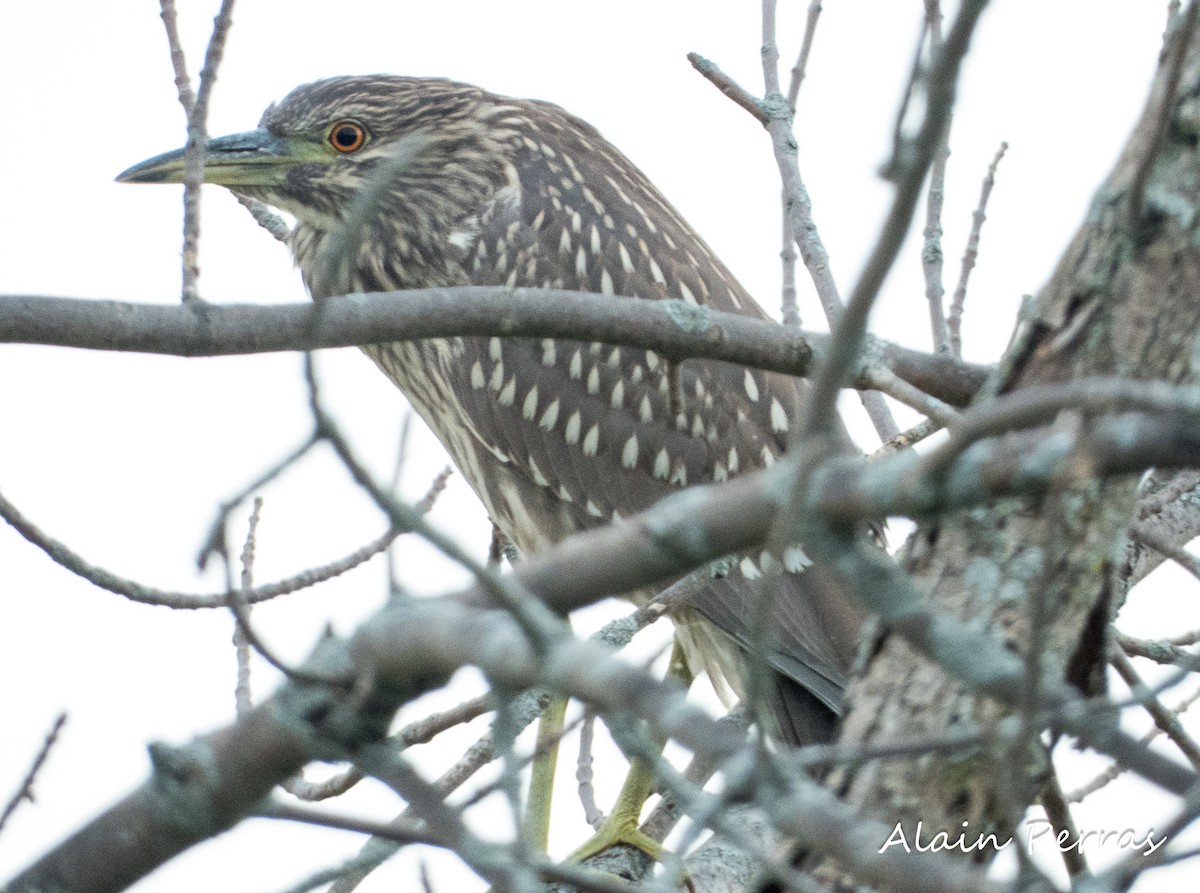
(347, 136)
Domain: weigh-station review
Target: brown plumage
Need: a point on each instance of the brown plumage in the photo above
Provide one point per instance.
(407, 183)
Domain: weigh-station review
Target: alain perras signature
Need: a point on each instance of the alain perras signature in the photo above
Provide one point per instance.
(1037, 833)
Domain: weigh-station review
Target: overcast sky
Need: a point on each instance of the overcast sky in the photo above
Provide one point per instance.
(126, 458)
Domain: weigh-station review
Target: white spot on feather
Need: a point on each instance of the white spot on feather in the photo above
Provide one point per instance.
(591, 441)
(477, 380)
(572, 430)
(662, 464)
(629, 455)
(606, 283)
(626, 260)
(779, 419)
(646, 411)
(549, 417)
(618, 394)
(509, 393)
(751, 386)
(529, 408)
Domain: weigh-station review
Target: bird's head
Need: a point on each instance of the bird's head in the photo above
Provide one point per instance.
(329, 142)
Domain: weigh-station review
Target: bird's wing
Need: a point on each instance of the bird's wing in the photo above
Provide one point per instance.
(590, 432)
(609, 429)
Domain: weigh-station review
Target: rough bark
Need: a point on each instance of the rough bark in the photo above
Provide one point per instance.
(1121, 302)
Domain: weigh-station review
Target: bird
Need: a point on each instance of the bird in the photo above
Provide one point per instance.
(402, 183)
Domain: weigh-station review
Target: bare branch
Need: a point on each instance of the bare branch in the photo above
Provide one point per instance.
(674, 329)
(197, 142)
(971, 254)
(241, 642)
(25, 788)
(728, 86)
(1166, 96)
(932, 255)
(266, 218)
(1166, 721)
(131, 589)
(183, 83)
(910, 173)
(800, 69)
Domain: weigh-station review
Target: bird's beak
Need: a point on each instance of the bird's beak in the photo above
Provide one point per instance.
(254, 158)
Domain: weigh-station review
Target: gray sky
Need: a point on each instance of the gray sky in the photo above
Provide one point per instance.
(126, 458)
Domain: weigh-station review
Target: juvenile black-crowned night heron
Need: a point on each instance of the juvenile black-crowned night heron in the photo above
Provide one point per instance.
(436, 183)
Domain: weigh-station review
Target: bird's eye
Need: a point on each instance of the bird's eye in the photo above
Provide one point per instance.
(347, 136)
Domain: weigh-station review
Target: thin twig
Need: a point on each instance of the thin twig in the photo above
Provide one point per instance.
(1166, 720)
(774, 114)
(1116, 769)
(728, 86)
(417, 732)
(911, 169)
(932, 256)
(67, 558)
(592, 813)
(238, 608)
(915, 71)
(789, 301)
(1058, 811)
(538, 622)
(266, 218)
(1165, 108)
(411, 831)
(970, 254)
(183, 84)
(790, 311)
(241, 693)
(1146, 535)
(800, 69)
(1161, 651)
(796, 201)
(197, 142)
(25, 789)
(1039, 404)
(887, 382)
(906, 439)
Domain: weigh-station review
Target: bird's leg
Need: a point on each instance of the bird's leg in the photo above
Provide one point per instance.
(541, 778)
(621, 826)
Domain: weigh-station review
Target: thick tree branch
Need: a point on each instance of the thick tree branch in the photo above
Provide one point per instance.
(673, 328)
(408, 649)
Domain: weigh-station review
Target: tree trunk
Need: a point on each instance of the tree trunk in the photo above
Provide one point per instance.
(1122, 302)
